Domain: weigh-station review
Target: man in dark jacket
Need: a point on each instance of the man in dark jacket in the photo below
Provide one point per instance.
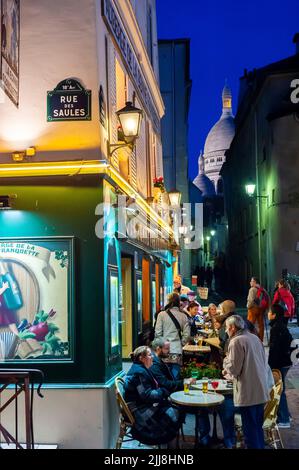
(280, 357)
(160, 369)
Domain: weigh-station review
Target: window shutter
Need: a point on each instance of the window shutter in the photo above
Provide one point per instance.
(112, 99)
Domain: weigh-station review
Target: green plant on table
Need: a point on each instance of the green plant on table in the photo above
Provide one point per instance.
(199, 370)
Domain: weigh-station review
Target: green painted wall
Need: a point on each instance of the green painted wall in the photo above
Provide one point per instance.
(64, 206)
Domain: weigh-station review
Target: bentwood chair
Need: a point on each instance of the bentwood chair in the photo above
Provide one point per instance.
(271, 430)
(126, 419)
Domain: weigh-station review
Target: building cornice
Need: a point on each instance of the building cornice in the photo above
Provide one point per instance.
(127, 14)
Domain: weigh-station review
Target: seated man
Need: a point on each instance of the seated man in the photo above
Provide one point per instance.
(160, 369)
(165, 379)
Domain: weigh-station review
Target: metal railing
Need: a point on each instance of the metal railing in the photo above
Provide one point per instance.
(21, 381)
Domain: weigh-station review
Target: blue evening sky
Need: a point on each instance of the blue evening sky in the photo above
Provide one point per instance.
(227, 36)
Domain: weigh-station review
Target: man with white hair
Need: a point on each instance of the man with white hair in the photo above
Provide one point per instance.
(246, 363)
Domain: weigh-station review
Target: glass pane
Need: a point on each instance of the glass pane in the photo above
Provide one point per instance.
(153, 298)
(35, 299)
(114, 310)
(139, 305)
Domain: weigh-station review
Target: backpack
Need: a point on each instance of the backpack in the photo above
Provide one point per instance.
(262, 298)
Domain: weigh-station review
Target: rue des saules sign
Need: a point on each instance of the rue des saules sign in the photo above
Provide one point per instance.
(69, 101)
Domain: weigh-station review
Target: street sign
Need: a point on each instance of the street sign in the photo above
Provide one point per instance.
(203, 292)
(69, 101)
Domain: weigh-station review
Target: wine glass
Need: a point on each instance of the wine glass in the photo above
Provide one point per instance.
(196, 339)
(215, 384)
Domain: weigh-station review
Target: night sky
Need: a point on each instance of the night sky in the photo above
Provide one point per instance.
(226, 37)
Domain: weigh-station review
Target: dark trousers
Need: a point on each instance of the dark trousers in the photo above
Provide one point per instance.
(283, 414)
(252, 425)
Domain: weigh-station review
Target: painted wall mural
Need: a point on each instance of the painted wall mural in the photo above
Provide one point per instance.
(10, 47)
(35, 299)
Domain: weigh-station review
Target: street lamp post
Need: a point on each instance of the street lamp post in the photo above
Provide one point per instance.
(129, 119)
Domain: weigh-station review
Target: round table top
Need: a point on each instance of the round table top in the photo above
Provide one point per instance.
(206, 332)
(197, 398)
(223, 386)
(195, 348)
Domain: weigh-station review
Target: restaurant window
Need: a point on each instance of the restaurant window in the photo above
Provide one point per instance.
(114, 309)
(139, 303)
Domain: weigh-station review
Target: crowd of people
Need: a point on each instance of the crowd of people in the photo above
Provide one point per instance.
(238, 351)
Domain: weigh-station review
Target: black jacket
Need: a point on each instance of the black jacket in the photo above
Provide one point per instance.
(164, 376)
(280, 345)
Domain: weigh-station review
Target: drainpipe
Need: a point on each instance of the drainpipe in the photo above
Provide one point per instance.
(258, 199)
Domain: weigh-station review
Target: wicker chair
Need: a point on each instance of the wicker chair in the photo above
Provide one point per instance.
(271, 430)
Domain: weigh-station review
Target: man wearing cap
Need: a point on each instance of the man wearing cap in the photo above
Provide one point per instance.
(178, 287)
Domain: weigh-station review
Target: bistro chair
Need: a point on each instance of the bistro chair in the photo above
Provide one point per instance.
(271, 430)
(126, 419)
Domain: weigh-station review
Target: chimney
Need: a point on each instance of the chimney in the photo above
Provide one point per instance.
(296, 41)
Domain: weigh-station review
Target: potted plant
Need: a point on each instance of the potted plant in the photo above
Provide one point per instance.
(159, 183)
(199, 370)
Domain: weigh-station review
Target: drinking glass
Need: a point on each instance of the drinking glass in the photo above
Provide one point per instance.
(215, 384)
(186, 386)
(205, 384)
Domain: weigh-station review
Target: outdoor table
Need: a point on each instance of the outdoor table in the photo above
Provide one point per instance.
(191, 351)
(222, 388)
(194, 401)
(205, 332)
(196, 349)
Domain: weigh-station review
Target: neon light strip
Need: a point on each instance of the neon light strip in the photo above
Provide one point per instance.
(82, 167)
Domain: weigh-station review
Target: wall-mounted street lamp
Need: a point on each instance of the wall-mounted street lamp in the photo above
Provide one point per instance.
(175, 198)
(213, 233)
(130, 121)
(250, 191)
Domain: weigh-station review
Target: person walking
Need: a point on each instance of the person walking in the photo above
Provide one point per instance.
(178, 287)
(257, 305)
(280, 357)
(173, 325)
(284, 298)
(246, 363)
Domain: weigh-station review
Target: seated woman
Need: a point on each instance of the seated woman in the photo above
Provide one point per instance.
(156, 421)
(212, 312)
(194, 317)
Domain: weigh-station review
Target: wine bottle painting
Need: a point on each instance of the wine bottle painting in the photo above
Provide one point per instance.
(35, 299)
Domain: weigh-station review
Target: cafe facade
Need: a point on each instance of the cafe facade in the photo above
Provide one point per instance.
(85, 249)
